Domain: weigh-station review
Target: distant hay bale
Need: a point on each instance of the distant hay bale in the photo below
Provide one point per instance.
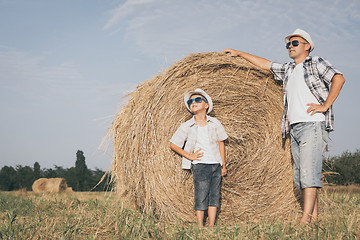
(247, 101)
(49, 185)
(21, 192)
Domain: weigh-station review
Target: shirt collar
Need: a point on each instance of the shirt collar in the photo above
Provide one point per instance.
(193, 123)
(307, 59)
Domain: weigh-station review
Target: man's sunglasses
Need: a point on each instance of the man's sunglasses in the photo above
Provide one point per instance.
(295, 43)
(197, 100)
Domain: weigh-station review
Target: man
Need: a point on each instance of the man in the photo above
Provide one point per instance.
(311, 85)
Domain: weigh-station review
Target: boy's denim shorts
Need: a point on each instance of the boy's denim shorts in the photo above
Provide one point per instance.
(308, 143)
(207, 181)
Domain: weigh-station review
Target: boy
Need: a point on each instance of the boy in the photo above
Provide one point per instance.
(204, 153)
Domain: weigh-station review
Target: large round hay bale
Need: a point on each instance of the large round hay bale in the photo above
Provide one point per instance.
(247, 101)
(49, 185)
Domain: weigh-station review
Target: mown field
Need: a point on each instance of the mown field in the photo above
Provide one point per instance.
(84, 215)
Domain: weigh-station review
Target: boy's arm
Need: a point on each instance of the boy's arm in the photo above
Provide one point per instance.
(193, 156)
(257, 61)
(222, 154)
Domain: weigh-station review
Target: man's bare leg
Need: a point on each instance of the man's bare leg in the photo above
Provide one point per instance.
(200, 217)
(315, 212)
(212, 216)
(309, 197)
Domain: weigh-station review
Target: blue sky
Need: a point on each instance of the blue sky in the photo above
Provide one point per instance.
(65, 65)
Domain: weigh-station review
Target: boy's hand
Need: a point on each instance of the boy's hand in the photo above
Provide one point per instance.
(223, 171)
(196, 155)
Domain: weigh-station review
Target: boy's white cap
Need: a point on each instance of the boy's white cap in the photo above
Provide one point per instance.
(199, 92)
(301, 33)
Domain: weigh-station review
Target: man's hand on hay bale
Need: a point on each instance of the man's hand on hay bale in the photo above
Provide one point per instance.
(231, 52)
(257, 61)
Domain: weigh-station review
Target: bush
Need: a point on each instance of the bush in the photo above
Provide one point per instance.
(346, 168)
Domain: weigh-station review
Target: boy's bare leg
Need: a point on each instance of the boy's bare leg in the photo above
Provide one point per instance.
(309, 204)
(200, 217)
(212, 216)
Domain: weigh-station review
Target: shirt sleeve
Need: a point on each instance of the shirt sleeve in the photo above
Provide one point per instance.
(220, 131)
(180, 136)
(279, 71)
(326, 70)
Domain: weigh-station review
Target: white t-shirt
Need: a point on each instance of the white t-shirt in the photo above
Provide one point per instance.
(298, 95)
(203, 142)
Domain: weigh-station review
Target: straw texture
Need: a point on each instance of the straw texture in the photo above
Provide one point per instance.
(248, 103)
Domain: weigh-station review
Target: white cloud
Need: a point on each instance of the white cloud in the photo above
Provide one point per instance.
(169, 28)
(126, 9)
(22, 70)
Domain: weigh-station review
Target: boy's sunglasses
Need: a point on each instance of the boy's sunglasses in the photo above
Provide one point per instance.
(197, 100)
(295, 43)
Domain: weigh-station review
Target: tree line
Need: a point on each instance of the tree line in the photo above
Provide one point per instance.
(340, 170)
(343, 169)
(79, 178)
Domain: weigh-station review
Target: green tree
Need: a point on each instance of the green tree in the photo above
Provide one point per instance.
(347, 167)
(71, 178)
(80, 178)
(82, 172)
(24, 177)
(97, 176)
(49, 173)
(37, 170)
(60, 171)
(7, 178)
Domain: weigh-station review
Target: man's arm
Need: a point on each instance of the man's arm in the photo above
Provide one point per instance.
(257, 61)
(336, 85)
(193, 156)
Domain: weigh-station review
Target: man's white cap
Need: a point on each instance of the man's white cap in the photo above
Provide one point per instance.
(199, 92)
(301, 33)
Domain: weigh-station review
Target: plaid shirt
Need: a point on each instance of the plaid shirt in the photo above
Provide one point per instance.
(318, 74)
(187, 134)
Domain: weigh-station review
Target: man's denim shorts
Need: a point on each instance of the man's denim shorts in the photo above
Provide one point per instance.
(308, 143)
(207, 181)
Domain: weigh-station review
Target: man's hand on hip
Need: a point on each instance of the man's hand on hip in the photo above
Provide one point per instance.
(316, 108)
